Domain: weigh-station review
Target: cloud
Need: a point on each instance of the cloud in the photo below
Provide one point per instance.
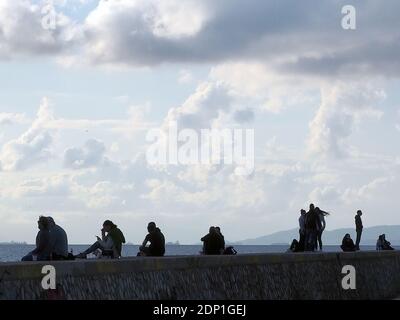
(33, 146)
(185, 76)
(22, 32)
(343, 106)
(367, 191)
(201, 109)
(291, 37)
(91, 154)
(12, 118)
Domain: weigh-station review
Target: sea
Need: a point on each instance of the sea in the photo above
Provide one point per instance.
(14, 252)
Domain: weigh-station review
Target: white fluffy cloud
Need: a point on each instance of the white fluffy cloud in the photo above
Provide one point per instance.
(91, 154)
(22, 32)
(343, 107)
(7, 118)
(32, 146)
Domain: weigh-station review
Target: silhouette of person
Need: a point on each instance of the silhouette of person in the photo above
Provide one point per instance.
(321, 225)
(218, 229)
(359, 228)
(212, 242)
(302, 229)
(312, 227)
(157, 242)
(348, 244)
(58, 241)
(43, 249)
(383, 244)
(295, 246)
(110, 243)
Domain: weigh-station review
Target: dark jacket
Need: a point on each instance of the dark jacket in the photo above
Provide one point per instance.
(118, 239)
(348, 245)
(43, 246)
(359, 224)
(157, 243)
(312, 220)
(213, 243)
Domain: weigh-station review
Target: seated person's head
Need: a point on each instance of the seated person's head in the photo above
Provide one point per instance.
(108, 225)
(43, 223)
(151, 227)
(51, 221)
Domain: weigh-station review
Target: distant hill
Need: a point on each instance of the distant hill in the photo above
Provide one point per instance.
(333, 237)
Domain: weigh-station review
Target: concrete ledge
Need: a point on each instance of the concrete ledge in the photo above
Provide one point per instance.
(251, 276)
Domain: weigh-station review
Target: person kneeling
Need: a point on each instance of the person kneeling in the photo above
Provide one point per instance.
(110, 243)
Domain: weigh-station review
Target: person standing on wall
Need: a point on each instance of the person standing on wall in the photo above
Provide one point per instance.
(359, 228)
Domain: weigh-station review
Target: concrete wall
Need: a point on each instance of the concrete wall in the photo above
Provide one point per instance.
(255, 276)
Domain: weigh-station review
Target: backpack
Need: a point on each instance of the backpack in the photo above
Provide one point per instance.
(230, 251)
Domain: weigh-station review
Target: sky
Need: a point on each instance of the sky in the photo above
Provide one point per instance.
(83, 82)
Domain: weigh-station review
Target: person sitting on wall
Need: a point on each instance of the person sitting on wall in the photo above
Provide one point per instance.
(295, 246)
(157, 242)
(348, 244)
(218, 229)
(110, 243)
(43, 249)
(383, 244)
(213, 243)
(58, 241)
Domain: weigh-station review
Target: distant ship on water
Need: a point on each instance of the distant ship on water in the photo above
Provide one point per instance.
(176, 243)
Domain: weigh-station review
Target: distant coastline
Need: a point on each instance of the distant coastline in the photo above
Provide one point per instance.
(14, 243)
